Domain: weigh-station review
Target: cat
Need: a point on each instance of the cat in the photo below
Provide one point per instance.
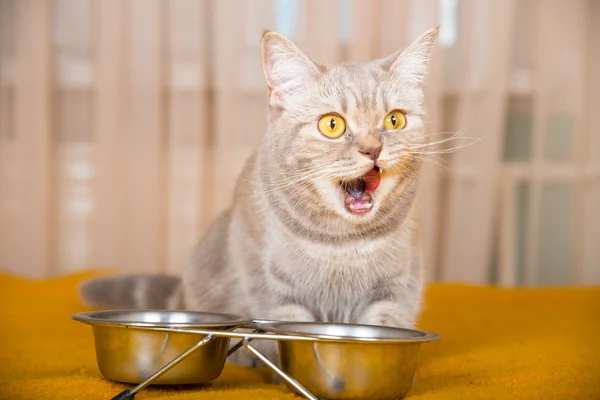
(323, 225)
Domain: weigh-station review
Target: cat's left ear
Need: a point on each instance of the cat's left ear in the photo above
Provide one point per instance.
(286, 67)
(412, 64)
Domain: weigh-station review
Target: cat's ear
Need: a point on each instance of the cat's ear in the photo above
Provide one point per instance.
(412, 63)
(286, 67)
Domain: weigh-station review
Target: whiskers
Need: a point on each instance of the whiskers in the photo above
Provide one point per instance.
(429, 147)
(433, 159)
(292, 185)
(433, 151)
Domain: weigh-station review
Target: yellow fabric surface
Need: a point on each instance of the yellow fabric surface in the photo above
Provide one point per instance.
(497, 344)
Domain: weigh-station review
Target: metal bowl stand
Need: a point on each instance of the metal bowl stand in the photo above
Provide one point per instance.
(246, 338)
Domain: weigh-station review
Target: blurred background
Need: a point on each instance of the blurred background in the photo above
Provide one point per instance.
(124, 124)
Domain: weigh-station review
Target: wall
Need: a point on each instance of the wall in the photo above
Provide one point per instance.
(124, 123)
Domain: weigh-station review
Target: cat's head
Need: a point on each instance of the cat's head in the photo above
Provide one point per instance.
(344, 138)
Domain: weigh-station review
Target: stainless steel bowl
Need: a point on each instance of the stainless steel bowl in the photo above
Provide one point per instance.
(350, 361)
(131, 355)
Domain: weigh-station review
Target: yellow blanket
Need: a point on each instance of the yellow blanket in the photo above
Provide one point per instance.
(497, 344)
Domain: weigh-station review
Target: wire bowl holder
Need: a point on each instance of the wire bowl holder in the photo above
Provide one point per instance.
(344, 340)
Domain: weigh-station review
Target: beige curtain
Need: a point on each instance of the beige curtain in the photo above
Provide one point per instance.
(124, 124)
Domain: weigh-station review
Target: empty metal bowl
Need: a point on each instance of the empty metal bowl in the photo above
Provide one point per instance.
(350, 361)
(131, 355)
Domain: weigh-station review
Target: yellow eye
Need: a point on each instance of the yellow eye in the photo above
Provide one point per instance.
(332, 125)
(394, 120)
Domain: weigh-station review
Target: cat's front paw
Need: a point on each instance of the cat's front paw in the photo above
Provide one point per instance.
(268, 348)
(291, 312)
(387, 314)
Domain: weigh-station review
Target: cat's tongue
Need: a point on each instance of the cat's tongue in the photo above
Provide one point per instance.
(358, 200)
(372, 179)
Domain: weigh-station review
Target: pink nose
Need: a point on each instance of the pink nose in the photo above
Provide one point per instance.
(372, 152)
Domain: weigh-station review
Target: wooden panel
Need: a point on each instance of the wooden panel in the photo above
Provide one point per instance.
(555, 248)
(7, 150)
(257, 17)
(555, 86)
(424, 16)
(144, 170)
(319, 31)
(154, 133)
(30, 243)
(7, 51)
(234, 96)
(72, 124)
(589, 274)
(395, 23)
(468, 230)
(589, 217)
(577, 27)
(542, 27)
(229, 44)
(110, 91)
(187, 129)
(507, 230)
(364, 30)
(9, 198)
(74, 205)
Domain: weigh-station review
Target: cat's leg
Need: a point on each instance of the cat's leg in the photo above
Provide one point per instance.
(288, 312)
(397, 300)
(388, 313)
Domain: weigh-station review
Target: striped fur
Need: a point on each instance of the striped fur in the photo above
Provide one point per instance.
(288, 249)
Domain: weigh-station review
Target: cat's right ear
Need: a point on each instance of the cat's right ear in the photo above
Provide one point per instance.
(286, 67)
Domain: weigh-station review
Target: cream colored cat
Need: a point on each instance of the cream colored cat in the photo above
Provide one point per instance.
(323, 225)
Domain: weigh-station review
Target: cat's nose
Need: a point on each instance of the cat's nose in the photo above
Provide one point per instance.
(371, 152)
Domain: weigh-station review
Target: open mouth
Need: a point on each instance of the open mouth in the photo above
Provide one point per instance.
(358, 199)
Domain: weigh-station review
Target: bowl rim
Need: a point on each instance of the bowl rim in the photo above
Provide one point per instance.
(94, 318)
(278, 328)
